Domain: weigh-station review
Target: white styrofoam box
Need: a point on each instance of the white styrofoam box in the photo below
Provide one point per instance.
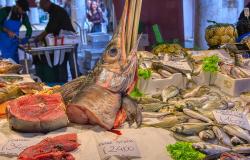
(91, 57)
(230, 86)
(98, 37)
(62, 40)
(155, 86)
(204, 78)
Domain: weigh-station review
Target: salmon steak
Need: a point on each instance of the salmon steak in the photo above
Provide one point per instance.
(37, 113)
(56, 148)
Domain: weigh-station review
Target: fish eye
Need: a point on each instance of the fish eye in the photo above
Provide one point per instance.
(113, 52)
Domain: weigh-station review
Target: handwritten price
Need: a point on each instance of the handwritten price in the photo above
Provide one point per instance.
(115, 149)
(125, 148)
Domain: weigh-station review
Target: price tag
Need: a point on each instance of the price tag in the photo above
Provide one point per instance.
(231, 117)
(125, 148)
(14, 147)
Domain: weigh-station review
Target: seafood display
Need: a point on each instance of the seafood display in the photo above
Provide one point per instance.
(188, 115)
(110, 97)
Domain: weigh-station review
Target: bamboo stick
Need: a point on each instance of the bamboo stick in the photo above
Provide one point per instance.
(136, 23)
(130, 24)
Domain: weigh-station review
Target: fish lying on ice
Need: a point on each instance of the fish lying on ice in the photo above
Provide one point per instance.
(210, 149)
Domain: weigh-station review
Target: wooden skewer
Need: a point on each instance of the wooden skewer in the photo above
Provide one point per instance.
(130, 24)
(136, 23)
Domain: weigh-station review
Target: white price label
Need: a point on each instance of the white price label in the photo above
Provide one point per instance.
(121, 148)
(14, 147)
(231, 117)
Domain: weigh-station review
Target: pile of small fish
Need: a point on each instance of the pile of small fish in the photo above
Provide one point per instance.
(164, 66)
(233, 71)
(188, 115)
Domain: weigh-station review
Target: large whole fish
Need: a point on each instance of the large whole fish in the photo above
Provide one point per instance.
(97, 98)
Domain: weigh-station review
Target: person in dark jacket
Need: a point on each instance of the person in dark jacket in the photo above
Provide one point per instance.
(11, 20)
(58, 20)
(243, 25)
(95, 16)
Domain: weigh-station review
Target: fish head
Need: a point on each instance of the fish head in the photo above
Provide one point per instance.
(199, 146)
(115, 56)
(177, 129)
(119, 69)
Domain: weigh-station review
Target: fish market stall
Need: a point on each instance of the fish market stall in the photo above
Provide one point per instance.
(168, 103)
(51, 49)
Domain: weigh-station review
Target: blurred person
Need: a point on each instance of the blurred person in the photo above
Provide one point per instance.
(11, 20)
(243, 25)
(67, 6)
(88, 5)
(95, 16)
(58, 20)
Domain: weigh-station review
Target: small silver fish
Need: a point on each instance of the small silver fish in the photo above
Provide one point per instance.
(167, 122)
(236, 141)
(148, 100)
(190, 128)
(153, 115)
(193, 120)
(197, 92)
(210, 149)
(164, 73)
(169, 92)
(242, 149)
(237, 131)
(196, 115)
(192, 139)
(156, 76)
(206, 135)
(222, 136)
(152, 107)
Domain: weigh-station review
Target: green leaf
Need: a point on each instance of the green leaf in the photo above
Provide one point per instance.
(210, 64)
(136, 93)
(144, 73)
(184, 151)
